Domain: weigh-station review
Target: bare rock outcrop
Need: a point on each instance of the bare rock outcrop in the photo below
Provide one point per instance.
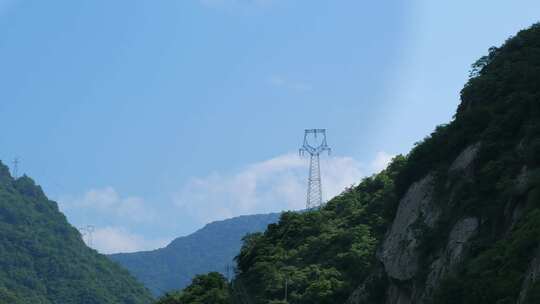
(400, 253)
(451, 256)
(531, 276)
(396, 295)
(366, 293)
(399, 250)
(465, 158)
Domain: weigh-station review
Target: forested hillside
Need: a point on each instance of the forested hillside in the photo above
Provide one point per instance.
(322, 255)
(211, 248)
(43, 258)
(457, 220)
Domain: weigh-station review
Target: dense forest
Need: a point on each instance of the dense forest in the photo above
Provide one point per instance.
(457, 220)
(44, 259)
(321, 254)
(211, 288)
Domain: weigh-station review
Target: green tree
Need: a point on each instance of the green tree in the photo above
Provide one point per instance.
(320, 256)
(211, 288)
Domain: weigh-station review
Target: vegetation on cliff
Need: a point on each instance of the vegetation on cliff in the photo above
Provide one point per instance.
(503, 103)
(322, 255)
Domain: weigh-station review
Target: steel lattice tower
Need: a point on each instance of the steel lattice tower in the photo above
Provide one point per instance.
(314, 192)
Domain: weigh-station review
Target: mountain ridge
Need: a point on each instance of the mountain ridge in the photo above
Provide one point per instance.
(44, 259)
(211, 248)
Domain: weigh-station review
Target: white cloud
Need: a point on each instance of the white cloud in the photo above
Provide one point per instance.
(381, 161)
(271, 185)
(280, 82)
(107, 201)
(339, 173)
(108, 240)
(268, 186)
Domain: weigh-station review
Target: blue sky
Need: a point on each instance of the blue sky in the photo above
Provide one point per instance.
(148, 119)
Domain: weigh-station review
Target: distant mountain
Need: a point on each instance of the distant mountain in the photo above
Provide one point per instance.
(43, 259)
(211, 248)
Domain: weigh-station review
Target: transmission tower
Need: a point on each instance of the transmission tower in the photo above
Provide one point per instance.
(16, 163)
(314, 145)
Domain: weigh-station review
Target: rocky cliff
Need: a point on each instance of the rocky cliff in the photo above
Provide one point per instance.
(456, 220)
(467, 225)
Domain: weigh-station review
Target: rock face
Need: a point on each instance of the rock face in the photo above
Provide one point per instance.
(465, 159)
(412, 277)
(451, 256)
(398, 252)
(532, 276)
(365, 293)
(418, 212)
(466, 228)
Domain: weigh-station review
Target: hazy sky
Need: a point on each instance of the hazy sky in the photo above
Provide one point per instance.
(149, 118)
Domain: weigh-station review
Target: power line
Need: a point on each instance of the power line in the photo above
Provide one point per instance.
(314, 192)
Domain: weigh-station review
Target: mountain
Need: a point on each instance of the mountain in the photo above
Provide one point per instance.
(457, 220)
(211, 248)
(43, 259)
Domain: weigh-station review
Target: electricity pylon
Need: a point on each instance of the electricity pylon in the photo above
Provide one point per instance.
(314, 192)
